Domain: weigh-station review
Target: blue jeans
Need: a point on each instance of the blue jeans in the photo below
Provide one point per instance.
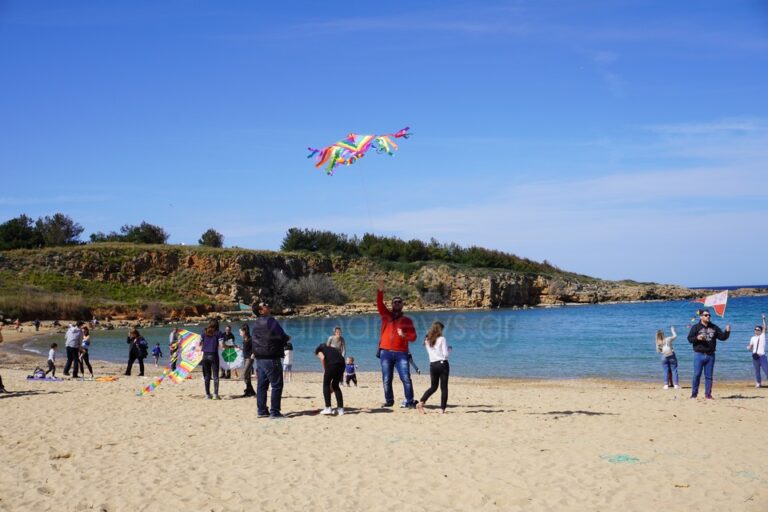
(701, 362)
(670, 365)
(761, 361)
(269, 372)
(389, 361)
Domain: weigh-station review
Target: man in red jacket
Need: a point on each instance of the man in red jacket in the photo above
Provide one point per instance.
(396, 332)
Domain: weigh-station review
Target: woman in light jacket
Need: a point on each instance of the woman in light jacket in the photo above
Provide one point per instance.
(668, 357)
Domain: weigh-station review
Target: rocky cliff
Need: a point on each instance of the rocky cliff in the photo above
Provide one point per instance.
(126, 279)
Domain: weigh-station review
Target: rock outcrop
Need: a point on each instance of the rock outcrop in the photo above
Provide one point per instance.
(193, 281)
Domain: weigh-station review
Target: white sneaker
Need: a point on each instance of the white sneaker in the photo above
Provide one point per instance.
(758, 385)
(340, 411)
(327, 411)
(677, 387)
(666, 386)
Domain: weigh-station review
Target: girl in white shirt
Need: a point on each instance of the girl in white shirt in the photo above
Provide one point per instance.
(438, 350)
(668, 357)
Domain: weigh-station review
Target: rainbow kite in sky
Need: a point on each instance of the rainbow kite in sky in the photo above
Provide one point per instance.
(354, 147)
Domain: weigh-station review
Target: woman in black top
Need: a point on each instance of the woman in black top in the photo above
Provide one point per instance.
(245, 333)
(333, 366)
(138, 350)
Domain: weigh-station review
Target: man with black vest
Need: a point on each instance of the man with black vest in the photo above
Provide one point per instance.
(269, 341)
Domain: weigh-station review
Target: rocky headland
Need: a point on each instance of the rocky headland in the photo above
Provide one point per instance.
(133, 281)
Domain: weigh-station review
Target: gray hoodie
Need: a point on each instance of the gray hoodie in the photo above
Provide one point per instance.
(74, 337)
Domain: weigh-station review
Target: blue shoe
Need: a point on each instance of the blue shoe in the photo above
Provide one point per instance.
(408, 405)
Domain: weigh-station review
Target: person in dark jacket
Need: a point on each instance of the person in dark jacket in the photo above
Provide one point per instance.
(137, 350)
(269, 341)
(703, 337)
(245, 333)
(211, 339)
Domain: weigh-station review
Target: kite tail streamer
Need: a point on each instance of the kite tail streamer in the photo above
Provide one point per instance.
(155, 382)
(402, 133)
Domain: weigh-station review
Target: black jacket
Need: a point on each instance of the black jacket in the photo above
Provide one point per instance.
(269, 338)
(712, 333)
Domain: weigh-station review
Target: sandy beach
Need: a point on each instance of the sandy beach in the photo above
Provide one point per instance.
(503, 445)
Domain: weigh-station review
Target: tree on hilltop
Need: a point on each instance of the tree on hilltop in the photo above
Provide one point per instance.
(19, 233)
(58, 230)
(144, 233)
(212, 238)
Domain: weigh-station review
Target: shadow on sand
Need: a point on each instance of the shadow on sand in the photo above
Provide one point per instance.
(29, 392)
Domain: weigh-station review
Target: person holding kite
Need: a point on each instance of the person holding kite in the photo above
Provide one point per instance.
(703, 337)
(397, 331)
(757, 347)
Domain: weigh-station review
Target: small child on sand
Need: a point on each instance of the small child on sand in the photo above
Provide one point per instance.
(288, 362)
(52, 360)
(350, 371)
(157, 353)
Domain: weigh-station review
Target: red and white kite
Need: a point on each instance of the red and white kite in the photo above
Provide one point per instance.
(716, 302)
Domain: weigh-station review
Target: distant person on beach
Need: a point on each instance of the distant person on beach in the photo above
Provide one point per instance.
(703, 336)
(757, 347)
(173, 345)
(2, 388)
(269, 341)
(288, 362)
(668, 357)
(439, 369)
(337, 341)
(157, 353)
(333, 373)
(52, 360)
(137, 350)
(37, 324)
(85, 347)
(73, 342)
(211, 340)
(228, 342)
(396, 332)
(350, 371)
(245, 333)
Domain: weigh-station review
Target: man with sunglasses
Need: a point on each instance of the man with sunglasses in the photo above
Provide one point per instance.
(396, 332)
(757, 347)
(703, 336)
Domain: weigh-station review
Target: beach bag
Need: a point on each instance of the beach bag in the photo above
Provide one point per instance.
(38, 373)
(143, 349)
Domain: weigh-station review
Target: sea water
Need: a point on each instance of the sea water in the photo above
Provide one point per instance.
(615, 341)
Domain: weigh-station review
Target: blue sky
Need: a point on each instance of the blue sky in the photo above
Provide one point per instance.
(620, 140)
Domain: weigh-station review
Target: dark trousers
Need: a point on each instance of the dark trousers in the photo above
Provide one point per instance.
(438, 372)
(211, 371)
(72, 361)
(85, 361)
(133, 358)
(51, 369)
(247, 373)
(332, 382)
(351, 378)
(269, 372)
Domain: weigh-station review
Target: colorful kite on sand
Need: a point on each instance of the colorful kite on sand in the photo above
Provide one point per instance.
(717, 302)
(188, 356)
(230, 358)
(354, 147)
